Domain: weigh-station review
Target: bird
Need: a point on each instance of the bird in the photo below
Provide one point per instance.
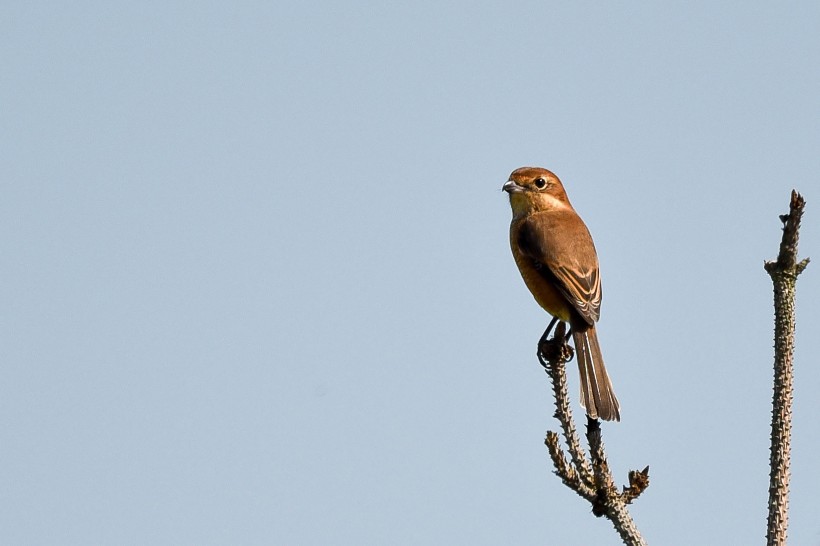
(554, 252)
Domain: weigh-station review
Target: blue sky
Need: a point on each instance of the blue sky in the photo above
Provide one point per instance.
(258, 288)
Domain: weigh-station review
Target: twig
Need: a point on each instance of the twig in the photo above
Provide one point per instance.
(553, 357)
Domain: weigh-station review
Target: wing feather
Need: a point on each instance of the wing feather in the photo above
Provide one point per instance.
(562, 250)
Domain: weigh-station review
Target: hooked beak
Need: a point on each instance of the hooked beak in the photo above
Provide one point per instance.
(511, 187)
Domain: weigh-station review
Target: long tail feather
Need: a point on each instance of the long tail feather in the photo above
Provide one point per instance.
(597, 395)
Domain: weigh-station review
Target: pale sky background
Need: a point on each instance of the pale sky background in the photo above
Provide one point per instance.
(257, 287)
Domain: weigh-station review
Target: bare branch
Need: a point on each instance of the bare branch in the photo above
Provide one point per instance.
(784, 274)
(591, 479)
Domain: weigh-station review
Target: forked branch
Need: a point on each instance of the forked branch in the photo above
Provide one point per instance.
(590, 477)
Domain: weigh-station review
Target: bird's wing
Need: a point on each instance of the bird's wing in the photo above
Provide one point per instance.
(562, 250)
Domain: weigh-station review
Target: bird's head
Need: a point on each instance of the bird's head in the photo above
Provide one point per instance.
(534, 189)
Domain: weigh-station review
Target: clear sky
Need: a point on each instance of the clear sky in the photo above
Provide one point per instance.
(257, 287)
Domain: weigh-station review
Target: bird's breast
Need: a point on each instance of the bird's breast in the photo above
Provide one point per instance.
(543, 290)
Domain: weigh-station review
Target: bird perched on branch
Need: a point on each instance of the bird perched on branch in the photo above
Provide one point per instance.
(556, 256)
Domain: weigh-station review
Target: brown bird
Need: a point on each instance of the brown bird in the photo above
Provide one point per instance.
(556, 256)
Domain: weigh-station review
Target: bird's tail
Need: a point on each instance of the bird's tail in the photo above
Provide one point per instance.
(597, 395)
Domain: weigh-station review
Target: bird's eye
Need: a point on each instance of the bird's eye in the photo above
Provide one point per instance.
(540, 183)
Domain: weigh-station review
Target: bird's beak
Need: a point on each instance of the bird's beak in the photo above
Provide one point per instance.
(511, 187)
